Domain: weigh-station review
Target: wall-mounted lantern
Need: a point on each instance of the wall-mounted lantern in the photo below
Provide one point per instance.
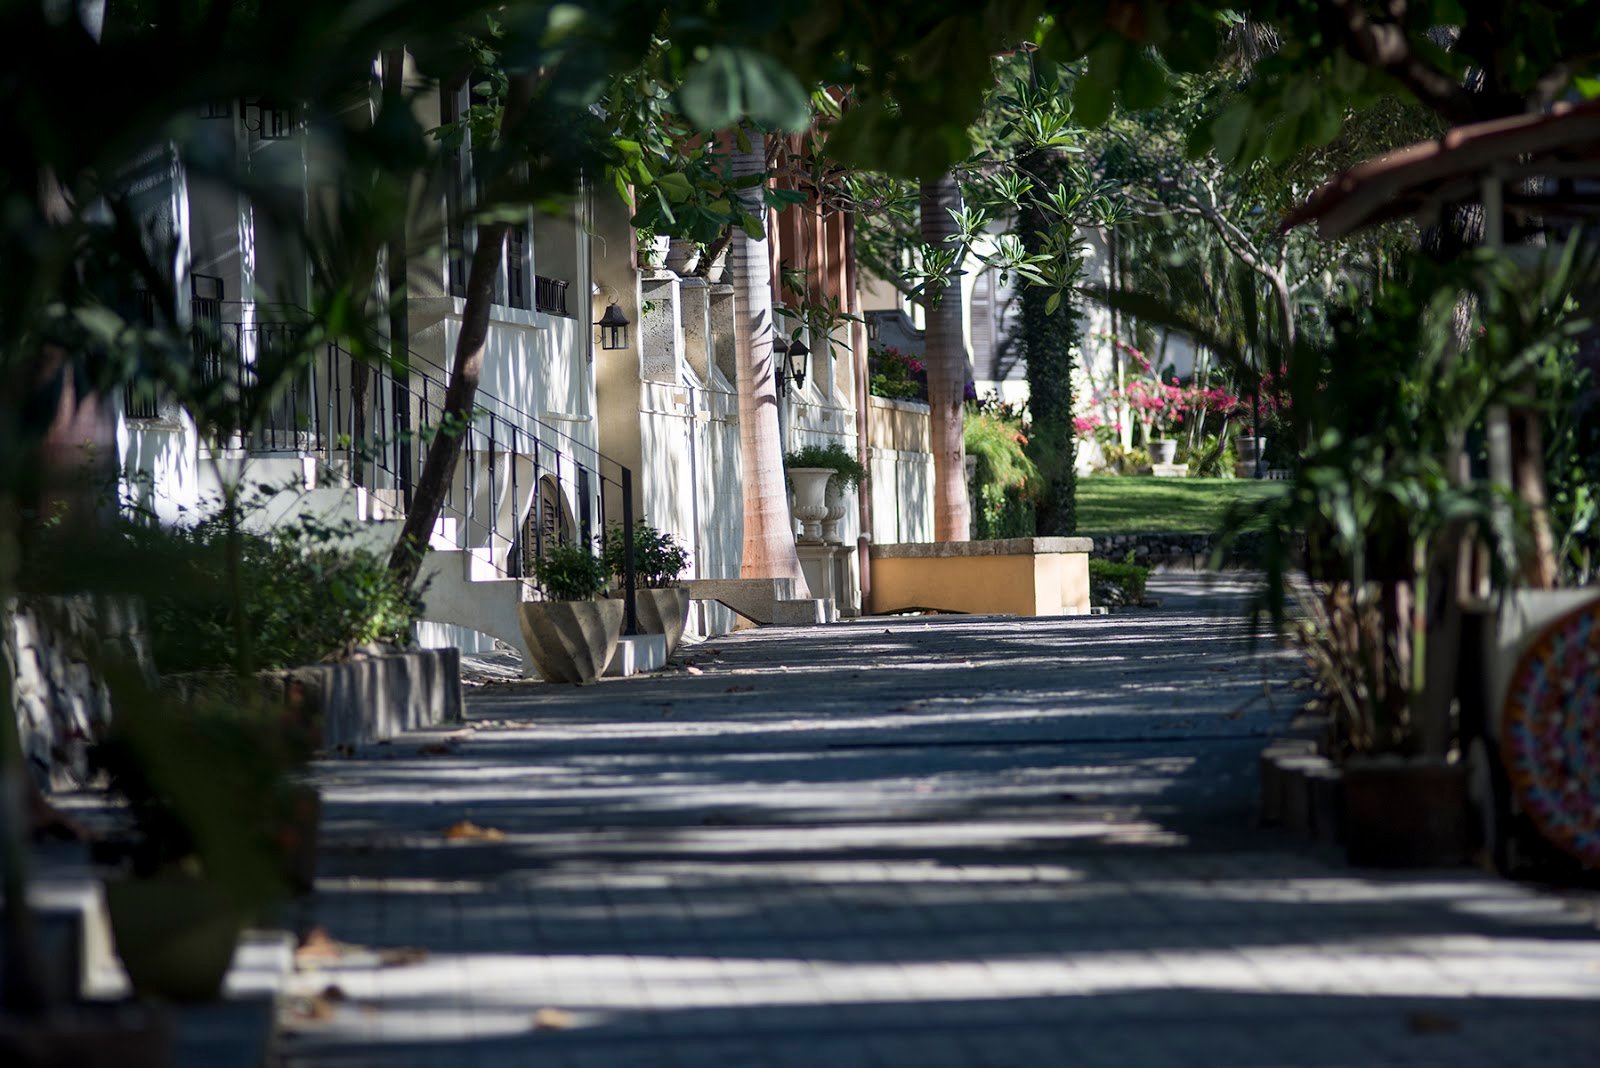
(792, 363)
(613, 328)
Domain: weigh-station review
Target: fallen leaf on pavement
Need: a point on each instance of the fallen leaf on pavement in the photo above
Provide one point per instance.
(399, 958)
(467, 831)
(552, 1020)
(317, 945)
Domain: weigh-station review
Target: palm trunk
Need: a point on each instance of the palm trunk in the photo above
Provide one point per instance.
(445, 450)
(946, 359)
(769, 550)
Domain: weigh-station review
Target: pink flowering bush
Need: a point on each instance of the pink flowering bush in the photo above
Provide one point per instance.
(896, 375)
(1161, 407)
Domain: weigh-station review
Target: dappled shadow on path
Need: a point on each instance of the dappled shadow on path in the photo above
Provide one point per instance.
(982, 842)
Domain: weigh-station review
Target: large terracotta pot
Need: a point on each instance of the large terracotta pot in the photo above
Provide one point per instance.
(663, 611)
(571, 641)
(810, 499)
(175, 936)
(1406, 813)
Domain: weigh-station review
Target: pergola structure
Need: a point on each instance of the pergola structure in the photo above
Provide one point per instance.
(1540, 166)
(1530, 173)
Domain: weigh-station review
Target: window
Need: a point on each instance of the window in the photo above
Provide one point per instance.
(517, 266)
(454, 199)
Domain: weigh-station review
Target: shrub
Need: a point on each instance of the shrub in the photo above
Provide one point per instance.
(304, 598)
(1126, 575)
(570, 572)
(1211, 458)
(848, 469)
(1120, 461)
(896, 375)
(658, 559)
(1003, 476)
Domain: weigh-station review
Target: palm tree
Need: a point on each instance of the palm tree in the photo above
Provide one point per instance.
(946, 359)
(769, 550)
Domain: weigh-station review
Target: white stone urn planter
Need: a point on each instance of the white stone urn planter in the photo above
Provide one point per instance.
(1163, 450)
(810, 499)
(663, 611)
(836, 509)
(683, 256)
(718, 270)
(653, 253)
(571, 641)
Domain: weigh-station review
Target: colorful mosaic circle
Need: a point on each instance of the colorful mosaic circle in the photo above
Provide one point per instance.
(1550, 737)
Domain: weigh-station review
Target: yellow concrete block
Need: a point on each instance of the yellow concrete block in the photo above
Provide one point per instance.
(1015, 576)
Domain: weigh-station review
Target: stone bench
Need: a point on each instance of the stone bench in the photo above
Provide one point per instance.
(1014, 576)
(765, 601)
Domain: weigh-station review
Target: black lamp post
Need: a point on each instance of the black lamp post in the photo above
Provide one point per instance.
(613, 328)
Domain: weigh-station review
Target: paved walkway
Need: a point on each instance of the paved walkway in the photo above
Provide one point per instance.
(918, 842)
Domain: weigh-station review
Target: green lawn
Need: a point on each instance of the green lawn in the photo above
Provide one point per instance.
(1134, 504)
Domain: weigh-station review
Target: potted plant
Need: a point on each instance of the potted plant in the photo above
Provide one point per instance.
(662, 606)
(571, 635)
(1383, 527)
(1248, 448)
(683, 256)
(206, 784)
(653, 249)
(844, 472)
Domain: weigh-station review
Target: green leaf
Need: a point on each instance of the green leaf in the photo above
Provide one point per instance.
(1144, 83)
(1229, 128)
(1091, 101)
(676, 186)
(737, 83)
(1052, 302)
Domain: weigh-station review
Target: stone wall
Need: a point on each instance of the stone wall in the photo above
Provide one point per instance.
(902, 471)
(47, 646)
(1187, 552)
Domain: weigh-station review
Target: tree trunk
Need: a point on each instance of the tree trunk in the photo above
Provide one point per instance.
(1048, 343)
(445, 450)
(769, 550)
(946, 359)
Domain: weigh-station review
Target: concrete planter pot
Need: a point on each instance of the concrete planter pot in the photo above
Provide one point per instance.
(810, 499)
(1406, 813)
(1163, 450)
(653, 253)
(717, 272)
(571, 641)
(175, 936)
(682, 257)
(664, 611)
(1248, 450)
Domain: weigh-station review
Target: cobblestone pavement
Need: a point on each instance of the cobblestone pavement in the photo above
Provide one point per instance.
(915, 842)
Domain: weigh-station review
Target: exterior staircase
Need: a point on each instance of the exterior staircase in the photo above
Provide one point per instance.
(345, 446)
